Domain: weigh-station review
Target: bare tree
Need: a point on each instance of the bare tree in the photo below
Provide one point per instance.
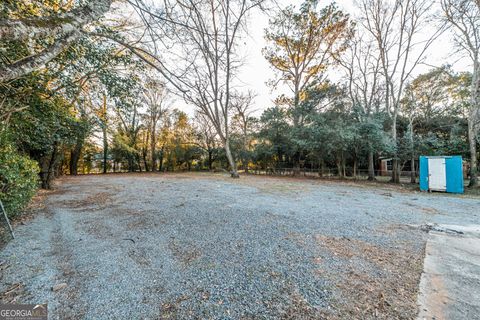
(242, 104)
(362, 65)
(207, 137)
(398, 27)
(155, 97)
(463, 16)
(64, 27)
(202, 38)
(129, 126)
(103, 120)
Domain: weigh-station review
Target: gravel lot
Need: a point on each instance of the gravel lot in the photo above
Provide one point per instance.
(189, 246)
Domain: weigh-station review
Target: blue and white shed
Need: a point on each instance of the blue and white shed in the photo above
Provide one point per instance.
(441, 173)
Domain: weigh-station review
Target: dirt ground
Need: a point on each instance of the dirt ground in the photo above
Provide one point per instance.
(189, 246)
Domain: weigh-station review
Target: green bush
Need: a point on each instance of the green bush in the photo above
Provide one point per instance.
(18, 177)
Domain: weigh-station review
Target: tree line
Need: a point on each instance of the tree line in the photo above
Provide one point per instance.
(79, 88)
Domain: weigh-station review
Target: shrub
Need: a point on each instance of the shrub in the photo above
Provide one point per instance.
(18, 177)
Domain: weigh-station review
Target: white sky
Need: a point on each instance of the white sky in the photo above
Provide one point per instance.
(256, 71)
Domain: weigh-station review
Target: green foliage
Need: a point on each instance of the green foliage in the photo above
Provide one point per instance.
(373, 137)
(303, 44)
(11, 51)
(275, 135)
(435, 106)
(18, 177)
(123, 145)
(93, 84)
(42, 125)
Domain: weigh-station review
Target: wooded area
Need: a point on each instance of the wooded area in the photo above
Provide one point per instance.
(86, 89)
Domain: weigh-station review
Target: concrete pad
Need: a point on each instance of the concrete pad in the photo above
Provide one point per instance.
(450, 284)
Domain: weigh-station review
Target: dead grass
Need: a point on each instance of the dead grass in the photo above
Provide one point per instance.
(428, 210)
(184, 254)
(13, 293)
(36, 205)
(93, 202)
(274, 185)
(169, 309)
(299, 309)
(139, 255)
(70, 276)
(373, 282)
(97, 230)
(290, 184)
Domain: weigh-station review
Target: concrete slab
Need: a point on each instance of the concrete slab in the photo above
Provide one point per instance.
(450, 284)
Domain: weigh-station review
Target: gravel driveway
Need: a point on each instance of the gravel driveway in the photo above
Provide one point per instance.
(189, 246)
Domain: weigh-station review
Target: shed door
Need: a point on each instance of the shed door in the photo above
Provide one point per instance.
(437, 177)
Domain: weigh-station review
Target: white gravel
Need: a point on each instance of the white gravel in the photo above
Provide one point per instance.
(195, 246)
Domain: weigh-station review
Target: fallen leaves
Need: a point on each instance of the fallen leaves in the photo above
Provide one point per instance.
(12, 293)
(373, 281)
(59, 286)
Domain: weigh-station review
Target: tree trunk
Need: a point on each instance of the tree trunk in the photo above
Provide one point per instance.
(413, 176)
(296, 165)
(245, 150)
(210, 157)
(153, 142)
(371, 167)
(105, 148)
(338, 162)
(473, 119)
(160, 165)
(395, 162)
(131, 161)
(63, 164)
(231, 161)
(75, 157)
(144, 156)
(48, 176)
(245, 165)
(355, 165)
(395, 171)
(60, 25)
(138, 162)
(472, 141)
(321, 167)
